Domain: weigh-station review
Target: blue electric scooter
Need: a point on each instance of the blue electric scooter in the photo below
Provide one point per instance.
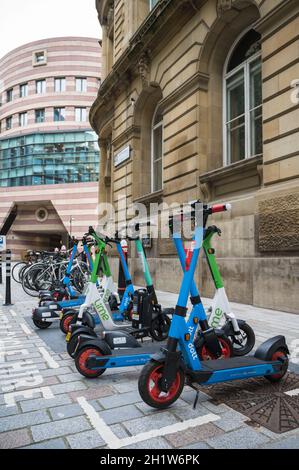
(163, 378)
(120, 349)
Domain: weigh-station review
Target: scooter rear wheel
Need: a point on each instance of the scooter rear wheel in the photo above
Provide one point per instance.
(81, 359)
(149, 390)
(203, 352)
(42, 325)
(280, 353)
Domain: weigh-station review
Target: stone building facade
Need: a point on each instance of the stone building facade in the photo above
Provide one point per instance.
(200, 96)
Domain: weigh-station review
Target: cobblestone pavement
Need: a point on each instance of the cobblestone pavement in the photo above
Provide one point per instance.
(45, 403)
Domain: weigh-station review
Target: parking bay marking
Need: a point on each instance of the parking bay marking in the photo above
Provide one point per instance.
(25, 328)
(114, 442)
(48, 358)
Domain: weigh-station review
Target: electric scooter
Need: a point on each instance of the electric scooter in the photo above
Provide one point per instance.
(94, 355)
(220, 314)
(65, 311)
(147, 319)
(163, 378)
(65, 289)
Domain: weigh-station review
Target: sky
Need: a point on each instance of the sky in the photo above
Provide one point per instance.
(23, 21)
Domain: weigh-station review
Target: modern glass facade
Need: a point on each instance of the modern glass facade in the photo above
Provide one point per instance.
(49, 158)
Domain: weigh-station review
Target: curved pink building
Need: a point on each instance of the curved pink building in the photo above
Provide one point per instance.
(49, 155)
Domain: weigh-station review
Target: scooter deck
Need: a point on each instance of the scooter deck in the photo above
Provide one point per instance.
(235, 368)
(231, 363)
(125, 357)
(151, 348)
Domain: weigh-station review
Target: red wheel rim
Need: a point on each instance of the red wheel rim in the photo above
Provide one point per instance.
(275, 357)
(83, 358)
(153, 386)
(66, 322)
(226, 352)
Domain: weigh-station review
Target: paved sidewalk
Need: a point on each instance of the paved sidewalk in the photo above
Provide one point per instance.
(45, 403)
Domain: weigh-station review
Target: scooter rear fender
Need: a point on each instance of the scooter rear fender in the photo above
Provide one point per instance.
(93, 343)
(266, 350)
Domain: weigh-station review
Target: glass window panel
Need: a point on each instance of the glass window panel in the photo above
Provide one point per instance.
(23, 119)
(157, 153)
(235, 96)
(39, 115)
(255, 83)
(9, 95)
(59, 84)
(236, 140)
(81, 84)
(59, 114)
(157, 143)
(40, 86)
(256, 123)
(24, 90)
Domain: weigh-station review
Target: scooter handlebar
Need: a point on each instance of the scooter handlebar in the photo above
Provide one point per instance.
(220, 208)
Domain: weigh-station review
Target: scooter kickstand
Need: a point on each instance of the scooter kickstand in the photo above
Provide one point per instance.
(196, 399)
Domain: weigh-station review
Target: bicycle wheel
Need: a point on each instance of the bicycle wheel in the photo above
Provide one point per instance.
(15, 272)
(80, 274)
(36, 278)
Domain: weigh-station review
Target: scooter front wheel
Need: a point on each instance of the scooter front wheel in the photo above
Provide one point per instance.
(81, 361)
(65, 321)
(149, 386)
(160, 327)
(72, 344)
(243, 346)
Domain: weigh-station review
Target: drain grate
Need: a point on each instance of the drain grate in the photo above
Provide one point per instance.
(266, 403)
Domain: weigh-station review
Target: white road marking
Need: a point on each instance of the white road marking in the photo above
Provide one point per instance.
(25, 328)
(1, 296)
(98, 423)
(13, 313)
(114, 442)
(293, 393)
(51, 362)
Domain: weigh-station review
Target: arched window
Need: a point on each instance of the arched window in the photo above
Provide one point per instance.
(157, 152)
(243, 100)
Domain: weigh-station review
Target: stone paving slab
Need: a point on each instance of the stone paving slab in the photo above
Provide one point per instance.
(47, 414)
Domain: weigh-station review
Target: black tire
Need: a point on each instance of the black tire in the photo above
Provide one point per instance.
(149, 370)
(16, 270)
(204, 354)
(42, 325)
(248, 334)
(160, 327)
(80, 361)
(277, 377)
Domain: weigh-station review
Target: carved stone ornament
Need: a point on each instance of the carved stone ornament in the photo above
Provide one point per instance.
(143, 68)
(205, 191)
(224, 5)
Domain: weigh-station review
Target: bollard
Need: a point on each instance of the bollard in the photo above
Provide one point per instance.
(0, 268)
(8, 278)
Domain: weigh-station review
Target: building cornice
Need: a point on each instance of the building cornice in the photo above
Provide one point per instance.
(287, 7)
(134, 59)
